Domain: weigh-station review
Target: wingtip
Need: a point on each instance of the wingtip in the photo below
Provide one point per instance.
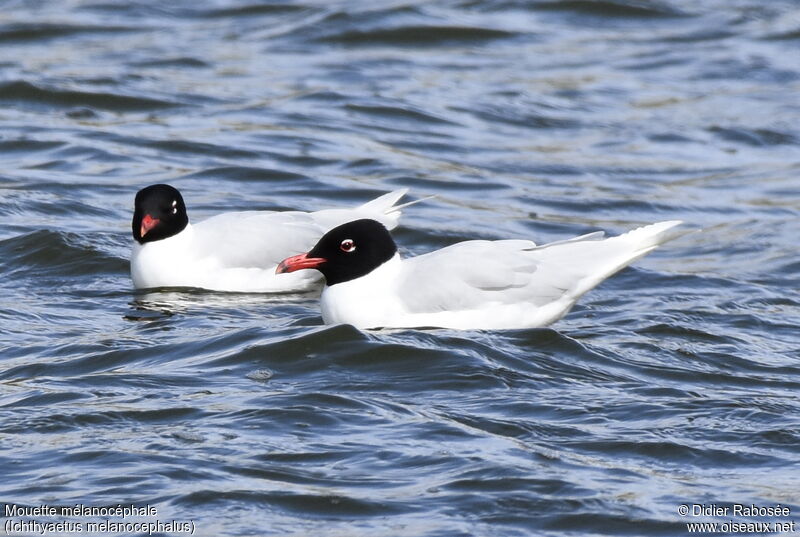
(410, 203)
(657, 233)
(666, 224)
(669, 224)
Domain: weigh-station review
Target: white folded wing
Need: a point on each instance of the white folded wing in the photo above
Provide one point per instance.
(512, 283)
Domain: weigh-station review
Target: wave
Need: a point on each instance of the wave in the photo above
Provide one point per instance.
(11, 33)
(56, 254)
(25, 93)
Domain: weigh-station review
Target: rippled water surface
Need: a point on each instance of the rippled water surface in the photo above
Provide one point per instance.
(675, 382)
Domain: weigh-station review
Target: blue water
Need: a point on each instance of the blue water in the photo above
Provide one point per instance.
(675, 382)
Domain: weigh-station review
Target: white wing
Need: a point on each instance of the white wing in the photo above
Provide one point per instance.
(255, 238)
(466, 275)
(264, 238)
(382, 209)
(488, 275)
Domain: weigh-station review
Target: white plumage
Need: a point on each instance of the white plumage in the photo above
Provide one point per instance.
(239, 251)
(487, 284)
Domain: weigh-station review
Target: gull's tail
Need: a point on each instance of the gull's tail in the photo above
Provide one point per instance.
(384, 210)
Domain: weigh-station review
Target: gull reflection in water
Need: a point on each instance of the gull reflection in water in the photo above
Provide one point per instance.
(163, 303)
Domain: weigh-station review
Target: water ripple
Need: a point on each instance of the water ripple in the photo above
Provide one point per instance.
(25, 93)
(674, 382)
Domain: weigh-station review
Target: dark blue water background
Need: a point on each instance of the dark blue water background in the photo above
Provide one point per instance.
(674, 382)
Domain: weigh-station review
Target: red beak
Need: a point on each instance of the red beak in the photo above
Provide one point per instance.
(299, 262)
(148, 223)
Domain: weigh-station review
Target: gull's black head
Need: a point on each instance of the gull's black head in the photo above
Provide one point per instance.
(346, 252)
(158, 213)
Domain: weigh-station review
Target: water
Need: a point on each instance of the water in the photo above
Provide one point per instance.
(673, 383)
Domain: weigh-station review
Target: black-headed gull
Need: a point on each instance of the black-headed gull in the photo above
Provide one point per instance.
(477, 284)
(235, 251)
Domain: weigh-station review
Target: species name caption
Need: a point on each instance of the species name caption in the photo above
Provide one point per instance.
(80, 518)
(747, 516)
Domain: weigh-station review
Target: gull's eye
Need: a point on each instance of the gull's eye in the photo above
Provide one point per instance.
(347, 246)
(174, 207)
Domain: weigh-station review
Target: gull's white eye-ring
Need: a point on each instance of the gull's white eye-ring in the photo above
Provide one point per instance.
(175, 207)
(347, 246)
